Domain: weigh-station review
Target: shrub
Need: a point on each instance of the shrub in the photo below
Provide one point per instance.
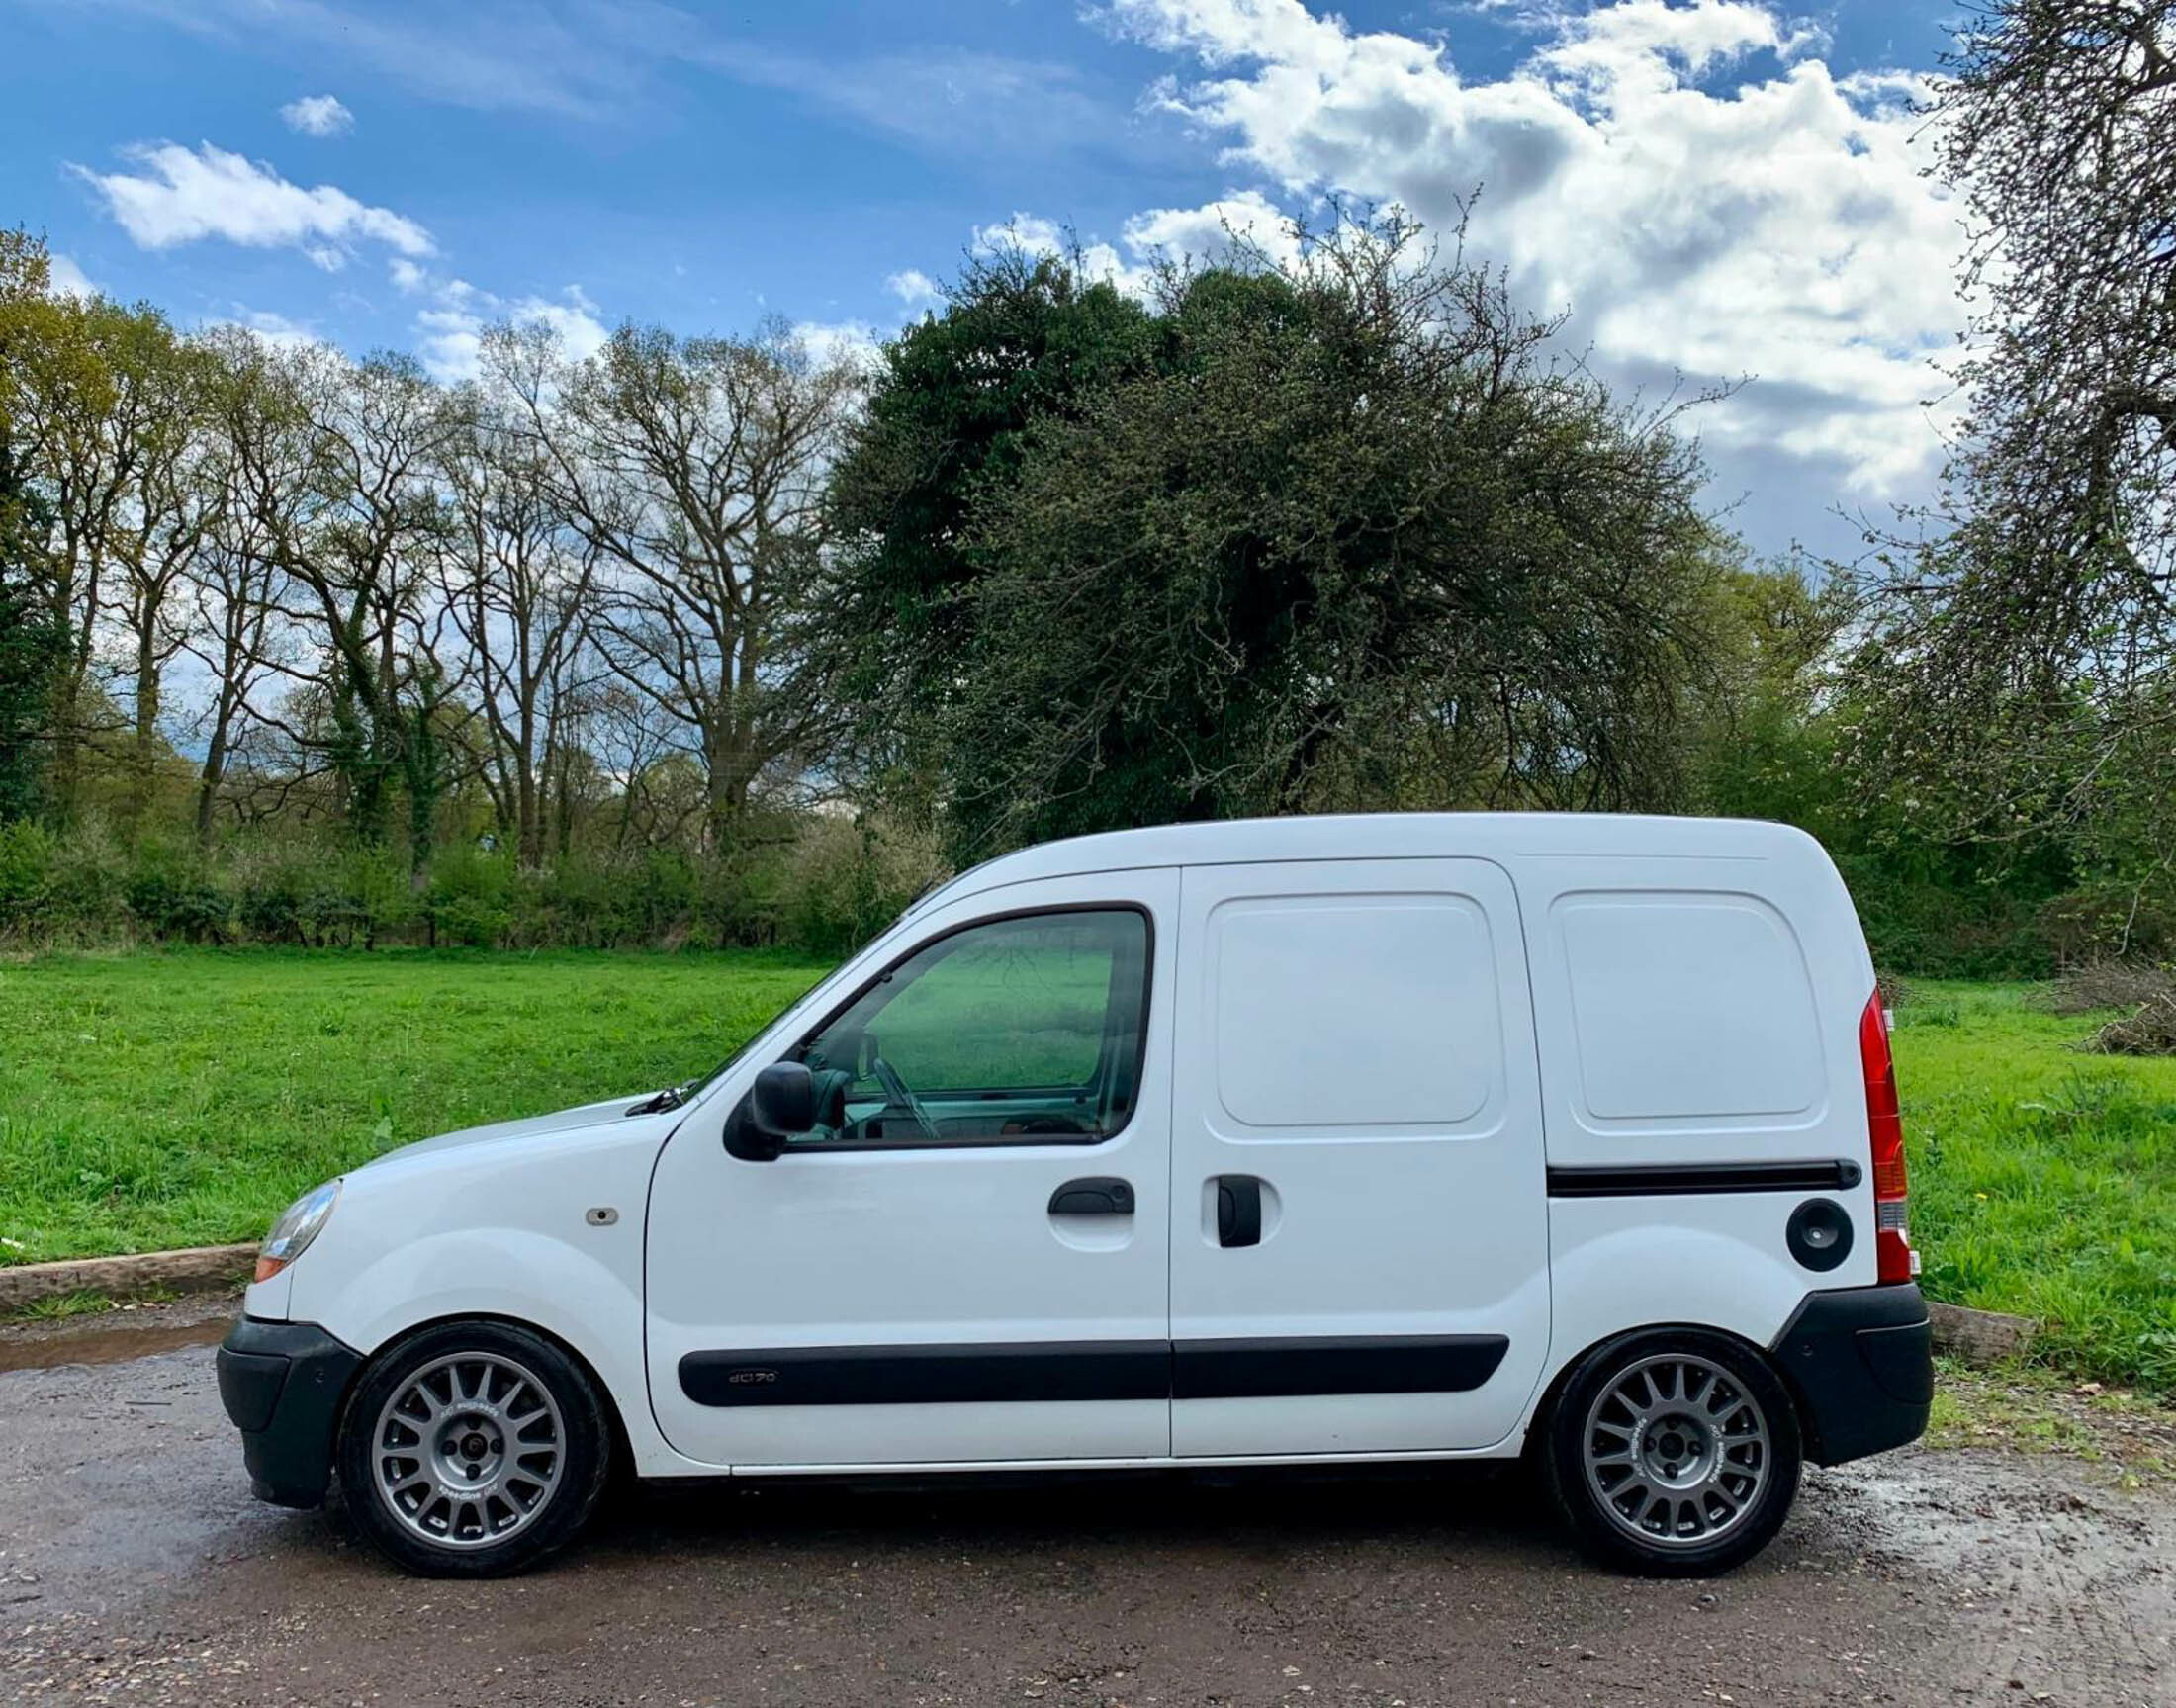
(172, 895)
(281, 900)
(470, 896)
(850, 878)
(2104, 921)
(84, 894)
(26, 875)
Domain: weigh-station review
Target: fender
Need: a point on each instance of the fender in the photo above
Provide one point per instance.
(504, 1226)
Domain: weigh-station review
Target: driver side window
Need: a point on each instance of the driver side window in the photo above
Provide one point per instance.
(1022, 1031)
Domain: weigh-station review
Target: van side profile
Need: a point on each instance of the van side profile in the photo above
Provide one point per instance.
(1418, 1137)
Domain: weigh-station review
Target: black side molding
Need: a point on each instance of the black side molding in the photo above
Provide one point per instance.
(928, 1375)
(1372, 1364)
(1670, 1179)
(1092, 1370)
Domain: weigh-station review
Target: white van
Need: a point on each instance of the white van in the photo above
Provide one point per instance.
(1303, 1140)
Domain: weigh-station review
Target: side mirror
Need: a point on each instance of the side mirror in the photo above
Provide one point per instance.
(780, 1104)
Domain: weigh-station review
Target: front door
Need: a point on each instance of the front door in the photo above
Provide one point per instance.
(966, 1261)
(1359, 1236)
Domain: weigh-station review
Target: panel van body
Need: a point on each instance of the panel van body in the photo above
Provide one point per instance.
(1341, 1139)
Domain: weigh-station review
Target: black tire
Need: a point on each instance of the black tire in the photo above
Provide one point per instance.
(1685, 1534)
(575, 1440)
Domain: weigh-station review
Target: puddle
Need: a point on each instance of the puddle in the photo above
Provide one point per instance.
(109, 1344)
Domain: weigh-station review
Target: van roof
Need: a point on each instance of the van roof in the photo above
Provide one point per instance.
(1386, 835)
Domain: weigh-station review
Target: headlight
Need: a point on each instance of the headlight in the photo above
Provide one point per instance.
(297, 1226)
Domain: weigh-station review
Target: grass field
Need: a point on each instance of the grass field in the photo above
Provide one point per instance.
(2044, 1181)
(160, 1100)
(152, 1101)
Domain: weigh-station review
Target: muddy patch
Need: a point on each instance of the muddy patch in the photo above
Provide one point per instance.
(114, 1337)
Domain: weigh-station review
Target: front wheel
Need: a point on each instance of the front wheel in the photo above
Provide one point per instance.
(473, 1450)
(1674, 1453)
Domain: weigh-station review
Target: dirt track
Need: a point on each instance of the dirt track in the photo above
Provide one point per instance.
(135, 1566)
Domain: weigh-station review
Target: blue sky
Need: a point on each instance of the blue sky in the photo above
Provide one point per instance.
(1716, 188)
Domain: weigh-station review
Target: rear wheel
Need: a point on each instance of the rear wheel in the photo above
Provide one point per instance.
(473, 1450)
(1673, 1452)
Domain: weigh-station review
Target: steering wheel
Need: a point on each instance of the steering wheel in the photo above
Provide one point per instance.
(900, 1097)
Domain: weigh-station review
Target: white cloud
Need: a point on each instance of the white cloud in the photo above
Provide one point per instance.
(183, 195)
(318, 115)
(855, 341)
(912, 287)
(450, 332)
(1038, 235)
(268, 327)
(64, 278)
(1238, 217)
(1691, 179)
(574, 317)
(1243, 218)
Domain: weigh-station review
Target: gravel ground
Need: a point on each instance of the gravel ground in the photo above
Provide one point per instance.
(135, 1568)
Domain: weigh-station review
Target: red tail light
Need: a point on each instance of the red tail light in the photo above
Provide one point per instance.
(1893, 1252)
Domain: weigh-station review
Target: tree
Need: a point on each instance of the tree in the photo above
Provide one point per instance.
(175, 494)
(82, 388)
(33, 647)
(2021, 652)
(339, 461)
(1339, 535)
(517, 581)
(235, 586)
(1023, 338)
(696, 468)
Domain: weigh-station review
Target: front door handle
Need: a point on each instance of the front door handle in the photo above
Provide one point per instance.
(1098, 1195)
(1238, 1210)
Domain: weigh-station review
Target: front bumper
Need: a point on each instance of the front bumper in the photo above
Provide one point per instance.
(282, 1384)
(1860, 1362)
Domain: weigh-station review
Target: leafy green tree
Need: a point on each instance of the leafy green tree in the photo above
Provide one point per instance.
(1329, 534)
(1023, 338)
(33, 647)
(2019, 671)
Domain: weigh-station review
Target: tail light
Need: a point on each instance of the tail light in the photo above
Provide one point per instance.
(1894, 1256)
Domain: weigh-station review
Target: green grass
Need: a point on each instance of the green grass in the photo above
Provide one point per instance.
(163, 1099)
(2043, 1180)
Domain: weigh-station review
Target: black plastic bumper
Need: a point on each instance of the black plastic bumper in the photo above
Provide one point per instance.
(282, 1384)
(1861, 1362)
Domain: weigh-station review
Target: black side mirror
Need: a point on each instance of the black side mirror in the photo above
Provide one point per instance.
(780, 1104)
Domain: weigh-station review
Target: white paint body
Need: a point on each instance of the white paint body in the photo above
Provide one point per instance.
(1397, 1022)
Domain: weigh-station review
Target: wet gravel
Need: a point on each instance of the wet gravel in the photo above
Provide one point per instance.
(135, 1568)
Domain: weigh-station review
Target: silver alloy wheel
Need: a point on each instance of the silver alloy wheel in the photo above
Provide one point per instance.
(1676, 1450)
(469, 1450)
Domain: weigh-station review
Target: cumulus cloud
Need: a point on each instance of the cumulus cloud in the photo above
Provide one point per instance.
(852, 341)
(64, 278)
(181, 195)
(277, 330)
(1692, 179)
(450, 327)
(912, 287)
(318, 115)
(1240, 218)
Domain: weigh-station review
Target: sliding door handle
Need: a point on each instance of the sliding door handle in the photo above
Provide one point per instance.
(1238, 1210)
(1099, 1195)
